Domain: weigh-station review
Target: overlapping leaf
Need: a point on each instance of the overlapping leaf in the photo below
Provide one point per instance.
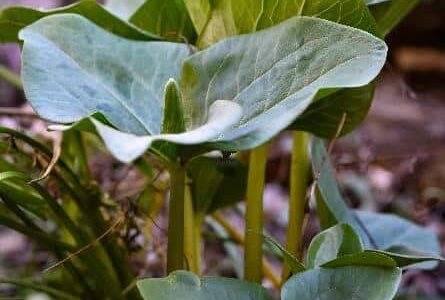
(169, 19)
(232, 17)
(352, 282)
(404, 242)
(231, 91)
(185, 285)
(336, 241)
(13, 19)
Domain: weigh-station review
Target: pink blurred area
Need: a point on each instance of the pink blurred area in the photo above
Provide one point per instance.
(31, 3)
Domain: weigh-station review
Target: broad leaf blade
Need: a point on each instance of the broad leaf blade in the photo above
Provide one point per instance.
(127, 147)
(274, 74)
(401, 238)
(323, 117)
(169, 19)
(73, 69)
(232, 17)
(199, 11)
(356, 282)
(13, 19)
(334, 242)
(185, 285)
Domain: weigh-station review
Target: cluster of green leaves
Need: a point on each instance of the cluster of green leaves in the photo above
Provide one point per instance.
(62, 215)
(180, 78)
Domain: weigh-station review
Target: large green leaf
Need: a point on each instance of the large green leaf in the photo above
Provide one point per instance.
(199, 11)
(185, 285)
(13, 19)
(401, 239)
(231, 91)
(336, 241)
(73, 69)
(323, 117)
(274, 74)
(233, 17)
(389, 15)
(169, 19)
(352, 282)
(123, 8)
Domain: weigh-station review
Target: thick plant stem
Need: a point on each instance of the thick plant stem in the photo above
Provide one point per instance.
(197, 240)
(297, 196)
(191, 249)
(253, 248)
(175, 250)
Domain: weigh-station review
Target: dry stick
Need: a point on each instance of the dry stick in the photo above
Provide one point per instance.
(57, 150)
(237, 237)
(18, 112)
(90, 245)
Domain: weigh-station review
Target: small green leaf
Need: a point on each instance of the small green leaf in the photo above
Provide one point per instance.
(173, 121)
(13, 19)
(334, 242)
(185, 285)
(169, 19)
(409, 258)
(294, 265)
(352, 282)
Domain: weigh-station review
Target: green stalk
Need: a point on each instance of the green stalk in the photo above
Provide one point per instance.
(253, 249)
(297, 197)
(192, 234)
(11, 77)
(175, 250)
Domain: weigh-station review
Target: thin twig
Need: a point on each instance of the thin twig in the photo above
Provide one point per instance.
(90, 245)
(18, 112)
